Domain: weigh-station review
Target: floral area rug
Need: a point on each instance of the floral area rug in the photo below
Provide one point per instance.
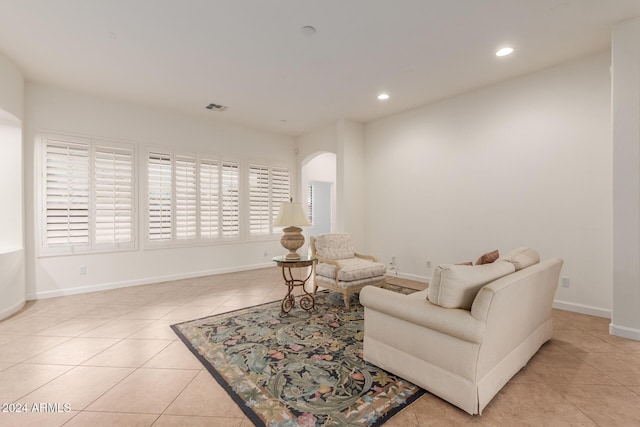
(303, 369)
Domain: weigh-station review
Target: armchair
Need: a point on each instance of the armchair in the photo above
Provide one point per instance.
(340, 268)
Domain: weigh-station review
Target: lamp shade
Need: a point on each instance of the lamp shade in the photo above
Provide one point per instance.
(291, 214)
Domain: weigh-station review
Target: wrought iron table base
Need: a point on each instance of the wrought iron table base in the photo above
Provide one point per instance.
(306, 300)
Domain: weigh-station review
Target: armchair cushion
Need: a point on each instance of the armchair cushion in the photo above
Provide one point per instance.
(334, 246)
(351, 269)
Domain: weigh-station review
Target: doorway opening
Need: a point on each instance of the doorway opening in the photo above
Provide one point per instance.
(319, 186)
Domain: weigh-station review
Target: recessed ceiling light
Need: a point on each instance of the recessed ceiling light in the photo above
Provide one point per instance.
(383, 96)
(504, 51)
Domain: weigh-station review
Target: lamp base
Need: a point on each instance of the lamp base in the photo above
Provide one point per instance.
(292, 240)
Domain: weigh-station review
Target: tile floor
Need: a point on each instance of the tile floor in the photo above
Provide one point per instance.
(112, 358)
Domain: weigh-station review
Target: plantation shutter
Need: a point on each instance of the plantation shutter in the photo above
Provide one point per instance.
(209, 199)
(310, 203)
(280, 191)
(66, 194)
(159, 182)
(259, 212)
(186, 198)
(230, 200)
(113, 196)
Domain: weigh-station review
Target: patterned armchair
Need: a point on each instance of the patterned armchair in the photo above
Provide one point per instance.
(340, 268)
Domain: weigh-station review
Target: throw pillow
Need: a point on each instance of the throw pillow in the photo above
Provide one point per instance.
(488, 258)
(456, 286)
(522, 257)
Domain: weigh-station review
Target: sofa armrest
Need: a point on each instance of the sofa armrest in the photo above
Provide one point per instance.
(457, 323)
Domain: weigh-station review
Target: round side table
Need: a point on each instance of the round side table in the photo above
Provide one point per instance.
(306, 300)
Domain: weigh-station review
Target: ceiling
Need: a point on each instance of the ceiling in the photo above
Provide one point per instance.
(252, 56)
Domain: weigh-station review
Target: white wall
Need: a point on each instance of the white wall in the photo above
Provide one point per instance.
(11, 185)
(11, 88)
(52, 109)
(346, 139)
(351, 215)
(625, 58)
(321, 168)
(525, 162)
(12, 258)
(310, 145)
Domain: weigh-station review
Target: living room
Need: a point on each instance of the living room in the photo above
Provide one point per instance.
(526, 159)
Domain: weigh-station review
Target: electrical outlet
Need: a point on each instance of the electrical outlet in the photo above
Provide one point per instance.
(392, 267)
(83, 270)
(565, 282)
(266, 253)
(428, 263)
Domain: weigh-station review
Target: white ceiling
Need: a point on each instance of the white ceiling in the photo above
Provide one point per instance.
(252, 56)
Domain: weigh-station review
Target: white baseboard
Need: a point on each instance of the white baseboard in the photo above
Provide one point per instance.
(582, 309)
(624, 332)
(138, 282)
(11, 310)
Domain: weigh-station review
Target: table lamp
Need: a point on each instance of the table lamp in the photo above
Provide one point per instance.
(292, 217)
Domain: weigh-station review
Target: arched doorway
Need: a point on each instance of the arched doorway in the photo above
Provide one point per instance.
(319, 192)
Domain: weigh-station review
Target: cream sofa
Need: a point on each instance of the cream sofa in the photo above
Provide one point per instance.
(470, 332)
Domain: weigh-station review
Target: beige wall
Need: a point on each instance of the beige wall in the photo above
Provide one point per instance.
(626, 179)
(525, 162)
(53, 109)
(12, 258)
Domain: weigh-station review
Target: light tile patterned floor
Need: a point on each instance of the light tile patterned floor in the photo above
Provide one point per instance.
(113, 359)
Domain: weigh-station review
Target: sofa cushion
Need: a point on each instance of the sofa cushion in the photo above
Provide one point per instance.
(351, 269)
(488, 258)
(522, 257)
(334, 246)
(456, 286)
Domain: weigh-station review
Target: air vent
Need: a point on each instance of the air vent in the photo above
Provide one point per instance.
(217, 107)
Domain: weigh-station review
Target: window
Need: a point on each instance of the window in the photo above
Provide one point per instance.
(209, 199)
(268, 188)
(310, 202)
(159, 179)
(113, 195)
(280, 190)
(186, 201)
(191, 198)
(259, 205)
(219, 199)
(88, 195)
(230, 199)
